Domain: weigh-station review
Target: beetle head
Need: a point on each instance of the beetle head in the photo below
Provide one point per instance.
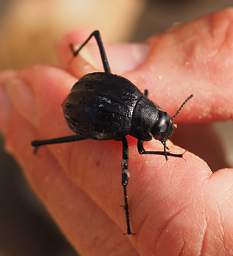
(163, 127)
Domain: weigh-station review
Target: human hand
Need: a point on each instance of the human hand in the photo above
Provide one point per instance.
(177, 207)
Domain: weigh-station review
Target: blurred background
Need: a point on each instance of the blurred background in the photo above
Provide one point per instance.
(25, 227)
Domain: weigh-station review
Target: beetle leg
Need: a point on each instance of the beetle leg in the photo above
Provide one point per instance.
(165, 149)
(99, 41)
(165, 153)
(124, 181)
(37, 143)
(146, 93)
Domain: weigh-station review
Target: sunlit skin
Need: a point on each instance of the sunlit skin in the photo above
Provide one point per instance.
(179, 207)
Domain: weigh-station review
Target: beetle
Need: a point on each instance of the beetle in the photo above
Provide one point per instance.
(105, 106)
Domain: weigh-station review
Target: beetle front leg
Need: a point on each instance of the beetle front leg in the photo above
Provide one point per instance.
(124, 182)
(165, 153)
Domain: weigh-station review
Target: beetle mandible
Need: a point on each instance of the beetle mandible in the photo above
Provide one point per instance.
(105, 106)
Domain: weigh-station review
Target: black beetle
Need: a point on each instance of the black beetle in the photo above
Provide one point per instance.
(104, 106)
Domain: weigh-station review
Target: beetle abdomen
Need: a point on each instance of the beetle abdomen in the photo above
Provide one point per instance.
(92, 110)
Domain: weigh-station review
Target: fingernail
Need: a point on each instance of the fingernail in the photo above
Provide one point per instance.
(5, 107)
(22, 98)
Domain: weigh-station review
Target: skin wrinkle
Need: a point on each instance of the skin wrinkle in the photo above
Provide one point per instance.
(203, 248)
(203, 200)
(141, 228)
(182, 249)
(221, 227)
(166, 225)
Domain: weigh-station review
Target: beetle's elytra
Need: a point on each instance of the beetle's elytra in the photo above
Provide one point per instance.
(105, 106)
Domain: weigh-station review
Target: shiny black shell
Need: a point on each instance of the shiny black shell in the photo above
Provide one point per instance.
(101, 105)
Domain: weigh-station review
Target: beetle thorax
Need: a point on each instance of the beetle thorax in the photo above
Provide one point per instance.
(149, 121)
(145, 114)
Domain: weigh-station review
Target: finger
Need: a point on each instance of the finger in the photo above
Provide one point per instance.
(95, 168)
(85, 225)
(194, 58)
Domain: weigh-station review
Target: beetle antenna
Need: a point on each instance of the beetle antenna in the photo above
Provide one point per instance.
(182, 105)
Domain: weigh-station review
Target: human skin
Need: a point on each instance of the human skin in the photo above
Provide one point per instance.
(177, 207)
